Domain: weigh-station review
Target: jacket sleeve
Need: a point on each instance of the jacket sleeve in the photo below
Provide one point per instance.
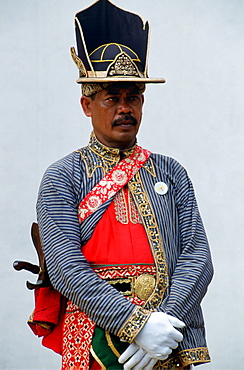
(194, 269)
(68, 269)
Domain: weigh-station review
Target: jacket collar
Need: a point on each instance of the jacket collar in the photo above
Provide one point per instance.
(108, 153)
(106, 157)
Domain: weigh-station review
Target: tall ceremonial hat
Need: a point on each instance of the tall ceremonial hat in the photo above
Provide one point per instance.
(112, 45)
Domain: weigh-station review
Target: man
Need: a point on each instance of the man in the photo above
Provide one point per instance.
(120, 228)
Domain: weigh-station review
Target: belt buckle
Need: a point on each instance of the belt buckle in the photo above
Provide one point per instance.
(144, 286)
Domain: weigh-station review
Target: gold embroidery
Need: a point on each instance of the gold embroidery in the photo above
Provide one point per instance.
(125, 279)
(123, 66)
(106, 158)
(194, 355)
(120, 208)
(89, 89)
(133, 212)
(107, 152)
(155, 240)
(126, 211)
(184, 358)
(148, 165)
(78, 62)
(134, 324)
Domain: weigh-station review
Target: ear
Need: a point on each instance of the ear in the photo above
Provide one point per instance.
(85, 102)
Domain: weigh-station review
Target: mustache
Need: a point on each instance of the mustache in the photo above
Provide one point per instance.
(125, 117)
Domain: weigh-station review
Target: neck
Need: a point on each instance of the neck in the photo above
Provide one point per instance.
(117, 145)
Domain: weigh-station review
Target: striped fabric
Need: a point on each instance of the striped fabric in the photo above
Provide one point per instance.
(66, 183)
(187, 252)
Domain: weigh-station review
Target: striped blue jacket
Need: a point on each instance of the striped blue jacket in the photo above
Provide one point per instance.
(185, 246)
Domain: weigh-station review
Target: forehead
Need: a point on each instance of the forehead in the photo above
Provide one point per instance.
(120, 88)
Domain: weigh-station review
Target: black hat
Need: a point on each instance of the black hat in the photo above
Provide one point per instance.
(112, 45)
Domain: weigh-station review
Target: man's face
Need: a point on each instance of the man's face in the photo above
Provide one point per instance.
(116, 114)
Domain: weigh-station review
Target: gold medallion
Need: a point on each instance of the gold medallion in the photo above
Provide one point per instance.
(144, 286)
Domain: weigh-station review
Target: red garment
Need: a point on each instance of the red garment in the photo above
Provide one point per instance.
(115, 243)
(47, 318)
(54, 340)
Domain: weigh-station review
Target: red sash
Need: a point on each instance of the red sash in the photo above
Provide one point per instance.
(112, 182)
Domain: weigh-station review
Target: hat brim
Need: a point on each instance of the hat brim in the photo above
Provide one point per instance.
(120, 79)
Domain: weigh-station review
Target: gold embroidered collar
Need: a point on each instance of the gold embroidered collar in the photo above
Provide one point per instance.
(107, 153)
(106, 157)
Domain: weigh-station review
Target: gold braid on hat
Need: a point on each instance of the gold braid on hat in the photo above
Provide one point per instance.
(89, 89)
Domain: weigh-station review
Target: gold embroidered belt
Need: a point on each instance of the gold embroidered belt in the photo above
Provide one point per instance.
(136, 282)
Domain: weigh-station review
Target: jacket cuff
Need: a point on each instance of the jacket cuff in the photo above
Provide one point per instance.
(134, 324)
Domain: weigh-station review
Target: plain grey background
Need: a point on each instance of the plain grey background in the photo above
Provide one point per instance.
(196, 117)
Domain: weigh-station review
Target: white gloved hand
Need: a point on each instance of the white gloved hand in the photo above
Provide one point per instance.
(158, 336)
(137, 358)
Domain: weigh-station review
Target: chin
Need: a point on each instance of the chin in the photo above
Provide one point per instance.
(125, 140)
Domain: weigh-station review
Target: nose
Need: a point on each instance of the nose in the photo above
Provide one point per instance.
(124, 107)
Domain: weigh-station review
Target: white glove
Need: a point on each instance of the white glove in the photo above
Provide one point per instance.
(158, 336)
(139, 359)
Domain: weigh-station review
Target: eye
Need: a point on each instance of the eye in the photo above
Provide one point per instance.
(133, 98)
(112, 99)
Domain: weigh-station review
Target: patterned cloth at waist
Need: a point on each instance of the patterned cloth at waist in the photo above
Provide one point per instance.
(135, 282)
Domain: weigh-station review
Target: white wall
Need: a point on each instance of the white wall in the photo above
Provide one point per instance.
(195, 117)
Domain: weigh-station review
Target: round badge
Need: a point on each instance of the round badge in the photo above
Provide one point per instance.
(144, 286)
(161, 188)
